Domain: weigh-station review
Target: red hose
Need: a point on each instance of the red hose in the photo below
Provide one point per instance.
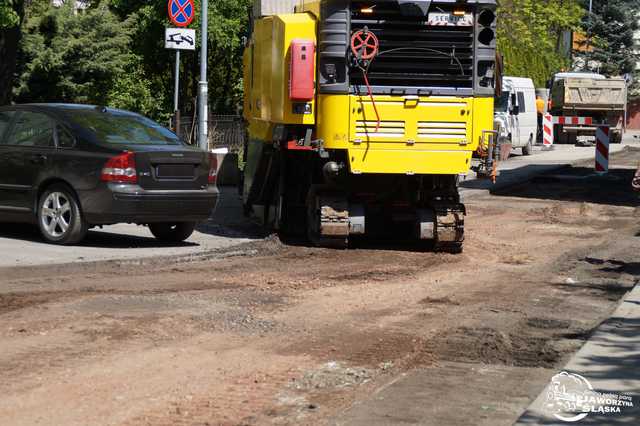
(373, 101)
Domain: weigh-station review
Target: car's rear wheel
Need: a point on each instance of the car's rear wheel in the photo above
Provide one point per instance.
(172, 232)
(59, 216)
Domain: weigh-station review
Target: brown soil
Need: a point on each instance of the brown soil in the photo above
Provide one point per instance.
(270, 333)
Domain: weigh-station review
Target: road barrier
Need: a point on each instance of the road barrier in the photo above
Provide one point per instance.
(576, 121)
(602, 150)
(548, 121)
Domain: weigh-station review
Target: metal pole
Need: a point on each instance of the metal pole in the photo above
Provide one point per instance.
(203, 95)
(176, 82)
(176, 95)
(588, 53)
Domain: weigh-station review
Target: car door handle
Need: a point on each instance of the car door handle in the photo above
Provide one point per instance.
(39, 159)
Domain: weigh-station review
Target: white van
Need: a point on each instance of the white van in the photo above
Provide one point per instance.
(516, 118)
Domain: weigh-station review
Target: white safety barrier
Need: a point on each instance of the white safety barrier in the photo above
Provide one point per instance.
(548, 121)
(602, 149)
(576, 121)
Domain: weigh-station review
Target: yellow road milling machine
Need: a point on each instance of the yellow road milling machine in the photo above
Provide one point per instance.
(362, 115)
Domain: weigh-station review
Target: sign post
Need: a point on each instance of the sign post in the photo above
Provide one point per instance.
(180, 14)
(176, 83)
(203, 87)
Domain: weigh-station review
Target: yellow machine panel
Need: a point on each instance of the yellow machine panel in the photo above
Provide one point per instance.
(417, 123)
(267, 69)
(416, 135)
(333, 121)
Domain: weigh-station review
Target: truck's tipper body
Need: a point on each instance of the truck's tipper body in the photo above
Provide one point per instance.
(589, 95)
(377, 143)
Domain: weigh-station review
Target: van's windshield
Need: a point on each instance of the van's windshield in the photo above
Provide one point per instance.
(502, 102)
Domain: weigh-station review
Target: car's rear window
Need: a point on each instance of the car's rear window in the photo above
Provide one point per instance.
(124, 129)
(5, 121)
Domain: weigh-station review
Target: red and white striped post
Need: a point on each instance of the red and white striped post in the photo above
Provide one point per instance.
(602, 150)
(547, 130)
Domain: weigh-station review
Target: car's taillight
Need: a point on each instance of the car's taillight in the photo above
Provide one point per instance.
(120, 169)
(213, 168)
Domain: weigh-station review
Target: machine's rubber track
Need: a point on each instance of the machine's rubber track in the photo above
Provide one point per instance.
(449, 228)
(328, 218)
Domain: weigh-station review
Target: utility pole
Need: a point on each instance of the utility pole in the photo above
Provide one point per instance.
(203, 89)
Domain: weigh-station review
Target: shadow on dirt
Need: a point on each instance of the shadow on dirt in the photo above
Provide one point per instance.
(228, 219)
(613, 348)
(619, 267)
(578, 184)
(96, 238)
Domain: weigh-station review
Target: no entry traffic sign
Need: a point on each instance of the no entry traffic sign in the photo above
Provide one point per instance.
(181, 12)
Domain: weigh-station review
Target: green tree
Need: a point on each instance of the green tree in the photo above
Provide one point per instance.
(114, 53)
(9, 14)
(154, 63)
(81, 57)
(531, 35)
(610, 31)
(228, 23)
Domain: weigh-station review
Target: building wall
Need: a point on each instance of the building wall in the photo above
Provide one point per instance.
(273, 7)
(80, 4)
(633, 109)
(633, 115)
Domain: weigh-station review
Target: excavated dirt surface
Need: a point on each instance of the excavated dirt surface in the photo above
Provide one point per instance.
(267, 333)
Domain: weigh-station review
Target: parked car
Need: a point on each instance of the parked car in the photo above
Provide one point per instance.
(516, 117)
(72, 167)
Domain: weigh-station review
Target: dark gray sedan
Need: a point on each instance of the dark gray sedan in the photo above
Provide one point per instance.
(72, 167)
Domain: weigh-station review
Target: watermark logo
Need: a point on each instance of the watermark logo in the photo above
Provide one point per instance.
(571, 398)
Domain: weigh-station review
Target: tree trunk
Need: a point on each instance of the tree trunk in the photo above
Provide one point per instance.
(9, 41)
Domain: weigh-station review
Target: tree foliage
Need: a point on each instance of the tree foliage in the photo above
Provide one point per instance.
(228, 23)
(81, 57)
(9, 16)
(532, 34)
(610, 31)
(114, 53)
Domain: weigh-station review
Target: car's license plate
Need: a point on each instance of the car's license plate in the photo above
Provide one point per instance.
(450, 20)
(177, 171)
